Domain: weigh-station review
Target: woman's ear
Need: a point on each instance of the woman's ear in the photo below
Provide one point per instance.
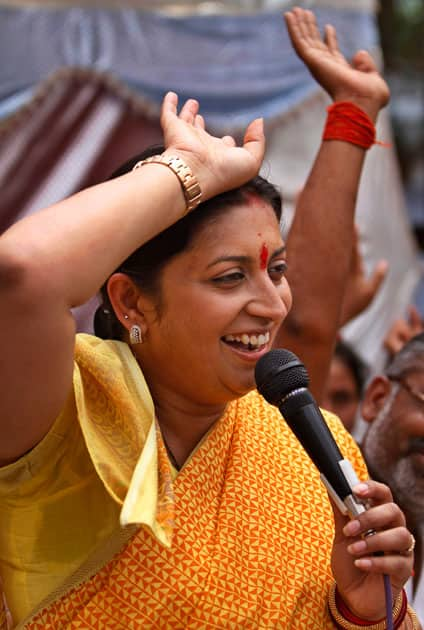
(124, 296)
(375, 397)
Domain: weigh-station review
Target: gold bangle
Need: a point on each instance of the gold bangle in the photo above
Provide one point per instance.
(348, 625)
(414, 618)
(189, 184)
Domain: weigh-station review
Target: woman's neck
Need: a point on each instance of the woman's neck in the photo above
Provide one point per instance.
(183, 425)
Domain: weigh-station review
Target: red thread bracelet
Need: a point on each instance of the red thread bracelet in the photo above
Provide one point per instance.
(349, 123)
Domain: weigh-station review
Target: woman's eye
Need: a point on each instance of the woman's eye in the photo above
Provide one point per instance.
(277, 270)
(229, 278)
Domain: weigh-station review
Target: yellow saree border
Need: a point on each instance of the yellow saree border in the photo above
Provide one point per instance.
(123, 439)
(117, 418)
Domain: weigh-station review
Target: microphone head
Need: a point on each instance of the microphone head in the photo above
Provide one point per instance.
(278, 373)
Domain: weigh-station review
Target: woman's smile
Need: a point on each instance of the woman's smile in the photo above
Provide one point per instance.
(250, 346)
(221, 308)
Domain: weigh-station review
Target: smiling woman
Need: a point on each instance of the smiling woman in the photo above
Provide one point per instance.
(144, 481)
(208, 262)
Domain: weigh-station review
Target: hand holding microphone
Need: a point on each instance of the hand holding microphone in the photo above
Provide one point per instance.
(282, 380)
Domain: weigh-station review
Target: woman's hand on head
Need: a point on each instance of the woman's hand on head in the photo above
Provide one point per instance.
(359, 81)
(359, 561)
(217, 162)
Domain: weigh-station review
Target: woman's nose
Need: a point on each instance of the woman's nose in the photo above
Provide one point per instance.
(269, 300)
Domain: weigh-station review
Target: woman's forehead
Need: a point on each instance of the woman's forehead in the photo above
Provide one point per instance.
(254, 219)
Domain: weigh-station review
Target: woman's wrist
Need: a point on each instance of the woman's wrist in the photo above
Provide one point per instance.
(207, 183)
(345, 619)
(188, 181)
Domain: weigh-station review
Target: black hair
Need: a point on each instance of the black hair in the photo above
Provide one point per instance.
(347, 355)
(147, 262)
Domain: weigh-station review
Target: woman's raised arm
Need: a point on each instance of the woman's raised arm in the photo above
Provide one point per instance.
(58, 258)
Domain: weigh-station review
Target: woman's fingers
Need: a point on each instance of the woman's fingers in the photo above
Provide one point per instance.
(382, 514)
(380, 541)
(396, 540)
(375, 519)
(189, 111)
(373, 490)
(169, 107)
(254, 140)
(388, 552)
(229, 141)
(398, 567)
(199, 122)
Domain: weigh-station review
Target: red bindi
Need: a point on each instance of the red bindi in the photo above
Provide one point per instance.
(264, 256)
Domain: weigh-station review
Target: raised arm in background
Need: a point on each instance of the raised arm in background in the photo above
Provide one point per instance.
(360, 287)
(320, 241)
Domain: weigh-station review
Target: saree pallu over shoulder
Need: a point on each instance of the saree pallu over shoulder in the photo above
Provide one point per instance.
(251, 542)
(100, 469)
(117, 418)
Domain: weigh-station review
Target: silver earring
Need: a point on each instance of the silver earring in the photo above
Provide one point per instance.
(135, 335)
(125, 316)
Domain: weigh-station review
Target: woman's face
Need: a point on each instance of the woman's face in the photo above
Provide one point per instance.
(222, 302)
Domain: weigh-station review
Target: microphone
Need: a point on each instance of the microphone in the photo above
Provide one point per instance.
(283, 381)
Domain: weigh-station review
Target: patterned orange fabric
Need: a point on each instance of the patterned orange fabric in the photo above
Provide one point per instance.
(251, 544)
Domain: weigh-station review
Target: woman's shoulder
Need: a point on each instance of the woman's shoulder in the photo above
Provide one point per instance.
(108, 369)
(114, 408)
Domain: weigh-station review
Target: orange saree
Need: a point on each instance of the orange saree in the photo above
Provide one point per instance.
(246, 536)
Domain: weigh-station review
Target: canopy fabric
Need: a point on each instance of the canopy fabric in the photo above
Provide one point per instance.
(179, 7)
(80, 126)
(238, 66)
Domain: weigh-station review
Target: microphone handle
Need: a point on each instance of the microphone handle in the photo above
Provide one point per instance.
(305, 419)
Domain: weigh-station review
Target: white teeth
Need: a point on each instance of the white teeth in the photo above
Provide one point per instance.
(252, 340)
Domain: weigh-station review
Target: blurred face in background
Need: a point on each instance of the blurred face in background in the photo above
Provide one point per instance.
(341, 395)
